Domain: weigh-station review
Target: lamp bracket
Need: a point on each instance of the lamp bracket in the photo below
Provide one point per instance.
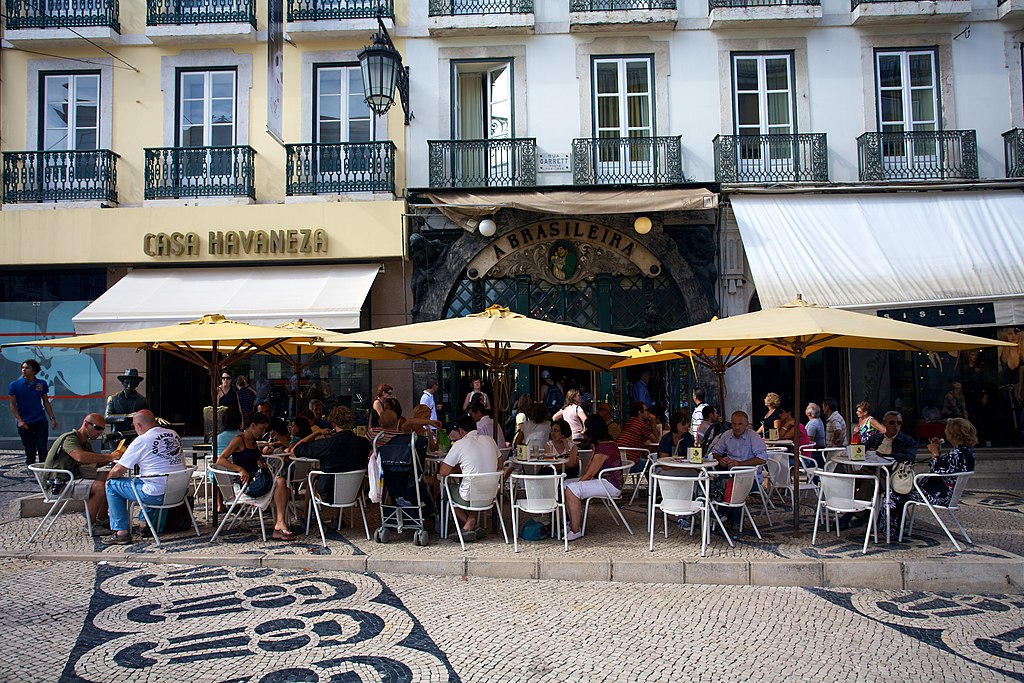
(402, 84)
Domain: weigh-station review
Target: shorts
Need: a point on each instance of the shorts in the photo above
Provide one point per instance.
(591, 488)
(456, 495)
(82, 489)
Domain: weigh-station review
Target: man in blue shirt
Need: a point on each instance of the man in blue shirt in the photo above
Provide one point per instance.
(641, 392)
(29, 398)
(738, 447)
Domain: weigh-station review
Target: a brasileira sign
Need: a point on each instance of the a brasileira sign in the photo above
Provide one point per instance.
(236, 243)
(564, 243)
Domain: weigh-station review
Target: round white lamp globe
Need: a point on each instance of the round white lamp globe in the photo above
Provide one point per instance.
(488, 227)
(642, 225)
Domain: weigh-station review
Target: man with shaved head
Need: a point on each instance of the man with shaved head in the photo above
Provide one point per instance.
(73, 449)
(156, 450)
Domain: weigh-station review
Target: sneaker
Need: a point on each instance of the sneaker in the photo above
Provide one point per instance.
(683, 522)
(116, 539)
(573, 535)
(100, 530)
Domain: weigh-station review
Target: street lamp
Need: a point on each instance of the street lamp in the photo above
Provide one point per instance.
(383, 72)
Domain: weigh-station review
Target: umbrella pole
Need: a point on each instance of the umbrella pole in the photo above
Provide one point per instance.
(797, 361)
(214, 375)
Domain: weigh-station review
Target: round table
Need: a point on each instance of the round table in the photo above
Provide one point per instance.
(685, 463)
(553, 463)
(880, 462)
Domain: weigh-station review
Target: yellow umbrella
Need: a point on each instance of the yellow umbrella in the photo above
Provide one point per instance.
(800, 328)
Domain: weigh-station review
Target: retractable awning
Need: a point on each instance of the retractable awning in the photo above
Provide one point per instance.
(882, 251)
(329, 296)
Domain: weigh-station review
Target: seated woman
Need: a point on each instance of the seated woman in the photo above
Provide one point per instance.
(678, 439)
(299, 428)
(606, 454)
(562, 446)
(962, 436)
(340, 450)
(279, 437)
(535, 431)
(790, 429)
(255, 480)
(421, 425)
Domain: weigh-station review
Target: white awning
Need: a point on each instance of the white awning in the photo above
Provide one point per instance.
(879, 251)
(328, 296)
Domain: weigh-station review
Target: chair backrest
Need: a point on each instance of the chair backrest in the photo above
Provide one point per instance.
(299, 469)
(778, 473)
(541, 486)
(634, 454)
(808, 466)
(585, 454)
(225, 479)
(743, 479)
(52, 482)
(679, 489)
(483, 487)
(177, 486)
(347, 485)
(275, 463)
(834, 485)
(959, 487)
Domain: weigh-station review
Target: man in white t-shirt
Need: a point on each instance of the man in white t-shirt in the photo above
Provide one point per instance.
(429, 399)
(156, 451)
(698, 411)
(472, 453)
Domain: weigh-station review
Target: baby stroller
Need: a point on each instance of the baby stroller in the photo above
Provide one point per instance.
(405, 501)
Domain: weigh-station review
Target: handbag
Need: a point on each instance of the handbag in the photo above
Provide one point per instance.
(902, 478)
(260, 483)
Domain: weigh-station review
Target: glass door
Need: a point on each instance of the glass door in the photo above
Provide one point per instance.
(342, 116)
(70, 121)
(483, 113)
(207, 120)
(763, 102)
(623, 99)
(908, 103)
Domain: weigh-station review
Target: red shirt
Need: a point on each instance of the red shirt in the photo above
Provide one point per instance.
(635, 434)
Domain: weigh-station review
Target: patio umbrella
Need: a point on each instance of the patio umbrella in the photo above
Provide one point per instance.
(800, 328)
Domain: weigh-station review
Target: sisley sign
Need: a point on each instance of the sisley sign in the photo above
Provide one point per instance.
(952, 315)
(236, 243)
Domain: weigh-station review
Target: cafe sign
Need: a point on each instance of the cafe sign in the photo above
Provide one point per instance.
(563, 252)
(236, 243)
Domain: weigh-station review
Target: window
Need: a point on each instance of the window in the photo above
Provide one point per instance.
(483, 117)
(623, 105)
(206, 106)
(70, 112)
(908, 102)
(763, 105)
(340, 112)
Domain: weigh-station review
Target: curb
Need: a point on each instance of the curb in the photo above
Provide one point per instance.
(972, 576)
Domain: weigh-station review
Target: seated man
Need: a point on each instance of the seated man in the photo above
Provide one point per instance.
(739, 447)
(485, 424)
(340, 450)
(73, 449)
(157, 450)
(637, 432)
(474, 452)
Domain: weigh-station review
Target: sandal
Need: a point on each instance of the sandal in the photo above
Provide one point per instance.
(283, 535)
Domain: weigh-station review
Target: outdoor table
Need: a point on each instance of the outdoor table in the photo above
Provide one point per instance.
(541, 462)
(882, 463)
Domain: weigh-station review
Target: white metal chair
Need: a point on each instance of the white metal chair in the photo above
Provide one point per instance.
(225, 479)
(952, 508)
(484, 488)
(348, 490)
(743, 481)
(57, 486)
(544, 495)
(608, 499)
(275, 463)
(838, 493)
(635, 455)
(297, 478)
(175, 494)
(677, 498)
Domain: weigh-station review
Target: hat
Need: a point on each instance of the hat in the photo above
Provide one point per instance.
(544, 374)
(130, 373)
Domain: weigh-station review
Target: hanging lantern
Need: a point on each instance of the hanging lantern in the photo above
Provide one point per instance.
(381, 64)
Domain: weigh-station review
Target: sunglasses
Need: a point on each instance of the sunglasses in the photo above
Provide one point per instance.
(95, 426)
(225, 376)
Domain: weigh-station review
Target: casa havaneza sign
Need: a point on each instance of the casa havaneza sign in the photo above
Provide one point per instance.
(236, 243)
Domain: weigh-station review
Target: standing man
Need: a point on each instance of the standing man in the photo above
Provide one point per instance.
(156, 450)
(30, 405)
(698, 411)
(836, 433)
(73, 449)
(429, 399)
(121, 405)
(641, 391)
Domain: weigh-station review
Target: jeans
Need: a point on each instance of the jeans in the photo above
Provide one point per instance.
(119, 494)
(34, 438)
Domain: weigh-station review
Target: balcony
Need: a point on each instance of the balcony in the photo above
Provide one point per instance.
(756, 13)
(918, 155)
(320, 19)
(467, 17)
(902, 11)
(60, 176)
(50, 21)
(1010, 9)
(770, 159)
(483, 163)
(1013, 146)
(191, 21)
(319, 169)
(181, 172)
(614, 15)
(632, 161)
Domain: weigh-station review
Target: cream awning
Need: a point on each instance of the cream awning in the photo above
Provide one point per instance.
(329, 296)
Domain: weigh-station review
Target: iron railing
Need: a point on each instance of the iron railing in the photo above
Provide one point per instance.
(775, 158)
(508, 162)
(635, 161)
(53, 176)
(1013, 146)
(455, 8)
(162, 12)
(854, 3)
(712, 4)
(61, 13)
(318, 10)
(918, 155)
(336, 168)
(173, 172)
(609, 5)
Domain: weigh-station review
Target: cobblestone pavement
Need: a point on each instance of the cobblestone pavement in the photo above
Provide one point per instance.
(121, 622)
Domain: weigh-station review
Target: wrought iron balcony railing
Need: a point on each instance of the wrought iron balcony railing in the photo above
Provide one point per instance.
(776, 158)
(483, 163)
(455, 8)
(634, 161)
(53, 176)
(341, 167)
(918, 155)
(173, 172)
(61, 13)
(712, 4)
(1013, 144)
(163, 12)
(319, 10)
(608, 5)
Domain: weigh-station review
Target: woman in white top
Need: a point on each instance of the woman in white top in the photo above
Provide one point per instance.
(535, 431)
(573, 414)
